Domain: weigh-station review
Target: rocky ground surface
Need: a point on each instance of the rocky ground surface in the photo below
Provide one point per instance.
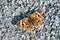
(9, 15)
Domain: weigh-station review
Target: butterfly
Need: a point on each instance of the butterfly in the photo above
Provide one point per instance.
(32, 21)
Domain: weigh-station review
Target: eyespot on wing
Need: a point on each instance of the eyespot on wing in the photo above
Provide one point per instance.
(39, 13)
(37, 22)
(29, 25)
(31, 22)
(24, 23)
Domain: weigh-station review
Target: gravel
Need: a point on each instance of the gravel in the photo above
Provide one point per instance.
(12, 11)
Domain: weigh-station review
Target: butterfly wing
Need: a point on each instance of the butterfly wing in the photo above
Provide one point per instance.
(31, 22)
(24, 23)
(35, 18)
(37, 22)
(29, 25)
(18, 24)
(39, 13)
(33, 15)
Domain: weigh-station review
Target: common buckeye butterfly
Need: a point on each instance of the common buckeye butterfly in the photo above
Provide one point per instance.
(32, 21)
